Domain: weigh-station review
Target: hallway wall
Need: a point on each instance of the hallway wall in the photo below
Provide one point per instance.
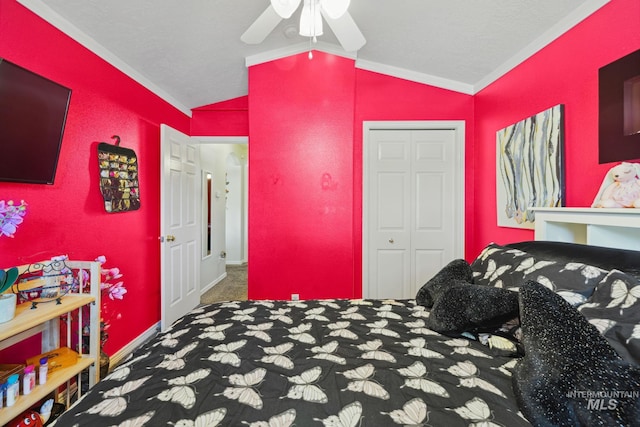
(214, 153)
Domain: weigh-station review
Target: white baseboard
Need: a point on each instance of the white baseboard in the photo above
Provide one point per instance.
(125, 351)
(212, 284)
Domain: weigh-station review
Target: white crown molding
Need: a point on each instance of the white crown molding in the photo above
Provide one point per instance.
(332, 49)
(577, 16)
(221, 139)
(414, 76)
(296, 49)
(45, 12)
(571, 20)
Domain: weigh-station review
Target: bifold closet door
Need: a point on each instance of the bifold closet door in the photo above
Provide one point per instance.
(411, 209)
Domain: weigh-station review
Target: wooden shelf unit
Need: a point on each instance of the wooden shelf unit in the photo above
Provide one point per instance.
(45, 319)
(39, 392)
(27, 318)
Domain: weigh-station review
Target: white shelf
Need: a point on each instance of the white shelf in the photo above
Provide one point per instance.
(616, 228)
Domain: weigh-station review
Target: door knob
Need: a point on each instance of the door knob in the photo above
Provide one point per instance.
(391, 240)
(171, 238)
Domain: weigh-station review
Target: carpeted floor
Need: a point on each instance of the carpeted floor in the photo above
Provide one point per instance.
(231, 288)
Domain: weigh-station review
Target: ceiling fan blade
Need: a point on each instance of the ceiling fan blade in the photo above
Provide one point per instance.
(335, 8)
(346, 31)
(285, 8)
(261, 27)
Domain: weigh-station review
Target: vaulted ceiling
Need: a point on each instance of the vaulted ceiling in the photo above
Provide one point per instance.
(189, 51)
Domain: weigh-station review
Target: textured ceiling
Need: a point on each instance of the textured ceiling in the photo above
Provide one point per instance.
(190, 53)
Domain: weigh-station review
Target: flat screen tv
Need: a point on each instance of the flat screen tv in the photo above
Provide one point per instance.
(33, 112)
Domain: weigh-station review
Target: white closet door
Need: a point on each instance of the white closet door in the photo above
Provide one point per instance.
(411, 209)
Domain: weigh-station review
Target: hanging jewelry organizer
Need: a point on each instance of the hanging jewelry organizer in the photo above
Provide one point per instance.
(118, 177)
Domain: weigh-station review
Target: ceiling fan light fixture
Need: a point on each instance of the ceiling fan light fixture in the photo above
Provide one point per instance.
(311, 19)
(333, 12)
(335, 8)
(285, 8)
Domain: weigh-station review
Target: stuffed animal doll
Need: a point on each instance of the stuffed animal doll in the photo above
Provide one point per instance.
(32, 418)
(620, 188)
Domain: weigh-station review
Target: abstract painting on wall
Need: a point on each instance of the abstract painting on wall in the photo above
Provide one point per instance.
(530, 167)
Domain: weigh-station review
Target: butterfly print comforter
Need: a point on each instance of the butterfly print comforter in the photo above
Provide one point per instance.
(304, 363)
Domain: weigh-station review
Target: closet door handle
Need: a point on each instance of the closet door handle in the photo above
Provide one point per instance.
(171, 238)
(391, 240)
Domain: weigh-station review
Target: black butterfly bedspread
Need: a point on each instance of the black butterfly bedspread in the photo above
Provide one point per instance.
(304, 363)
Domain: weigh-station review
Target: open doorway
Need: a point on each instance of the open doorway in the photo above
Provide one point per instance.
(224, 218)
(232, 288)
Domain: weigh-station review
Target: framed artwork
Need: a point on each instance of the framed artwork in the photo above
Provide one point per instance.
(530, 167)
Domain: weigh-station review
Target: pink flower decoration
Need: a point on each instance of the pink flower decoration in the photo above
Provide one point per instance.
(111, 273)
(11, 216)
(113, 291)
(117, 291)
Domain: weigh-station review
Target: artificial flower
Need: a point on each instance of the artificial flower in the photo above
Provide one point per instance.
(117, 291)
(11, 216)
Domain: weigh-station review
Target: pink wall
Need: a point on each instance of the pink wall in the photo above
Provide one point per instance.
(301, 177)
(68, 217)
(565, 72)
(305, 123)
(226, 118)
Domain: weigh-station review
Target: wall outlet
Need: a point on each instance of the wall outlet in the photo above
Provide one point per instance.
(295, 297)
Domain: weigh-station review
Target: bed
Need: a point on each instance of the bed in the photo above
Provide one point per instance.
(377, 362)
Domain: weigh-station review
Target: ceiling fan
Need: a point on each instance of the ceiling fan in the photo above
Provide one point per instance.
(334, 13)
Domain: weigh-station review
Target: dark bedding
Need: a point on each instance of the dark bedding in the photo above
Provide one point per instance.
(575, 339)
(331, 362)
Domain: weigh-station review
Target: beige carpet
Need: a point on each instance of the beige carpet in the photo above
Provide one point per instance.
(231, 288)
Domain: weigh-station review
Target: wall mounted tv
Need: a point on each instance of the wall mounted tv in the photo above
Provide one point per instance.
(33, 112)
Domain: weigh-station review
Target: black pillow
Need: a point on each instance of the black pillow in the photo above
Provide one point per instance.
(570, 375)
(465, 307)
(506, 267)
(458, 269)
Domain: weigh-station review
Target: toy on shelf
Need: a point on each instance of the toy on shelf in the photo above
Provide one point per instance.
(32, 418)
(44, 282)
(620, 187)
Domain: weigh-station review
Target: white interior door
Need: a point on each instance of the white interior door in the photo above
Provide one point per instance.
(179, 225)
(413, 221)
